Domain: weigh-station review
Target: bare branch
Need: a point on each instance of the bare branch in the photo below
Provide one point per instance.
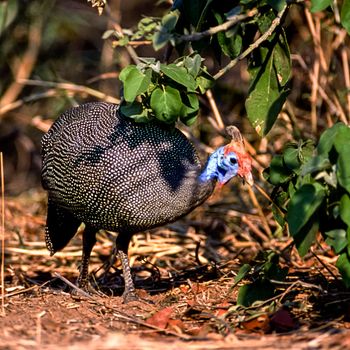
(220, 28)
(71, 87)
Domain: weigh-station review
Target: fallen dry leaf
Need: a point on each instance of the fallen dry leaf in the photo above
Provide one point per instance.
(161, 318)
(259, 323)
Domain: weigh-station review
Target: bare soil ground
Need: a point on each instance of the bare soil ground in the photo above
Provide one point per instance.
(185, 274)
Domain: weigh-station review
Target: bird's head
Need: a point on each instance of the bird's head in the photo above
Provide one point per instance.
(229, 161)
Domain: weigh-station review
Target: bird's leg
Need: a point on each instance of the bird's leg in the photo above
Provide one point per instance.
(89, 240)
(122, 243)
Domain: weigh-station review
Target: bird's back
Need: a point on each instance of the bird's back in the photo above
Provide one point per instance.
(113, 173)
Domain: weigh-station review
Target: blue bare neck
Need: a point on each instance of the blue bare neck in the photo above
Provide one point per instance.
(211, 170)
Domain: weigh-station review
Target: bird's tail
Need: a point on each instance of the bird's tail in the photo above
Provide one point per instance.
(61, 227)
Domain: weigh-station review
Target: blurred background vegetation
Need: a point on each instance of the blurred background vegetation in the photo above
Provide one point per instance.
(58, 45)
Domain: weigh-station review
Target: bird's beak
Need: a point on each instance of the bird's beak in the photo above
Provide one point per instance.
(248, 178)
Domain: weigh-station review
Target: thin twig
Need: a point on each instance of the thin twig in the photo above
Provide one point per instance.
(260, 211)
(253, 227)
(325, 266)
(345, 62)
(275, 23)
(69, 283)
(316, 37)
(334, 107)
(115, 43)
(214, 108)
(217, 29)
(27, 62)
(71, 87)
(313, 97)
(34, 97)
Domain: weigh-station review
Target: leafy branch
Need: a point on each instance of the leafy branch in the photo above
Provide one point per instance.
(275, 23)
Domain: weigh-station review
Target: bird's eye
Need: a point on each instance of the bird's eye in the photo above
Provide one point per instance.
(233, 161)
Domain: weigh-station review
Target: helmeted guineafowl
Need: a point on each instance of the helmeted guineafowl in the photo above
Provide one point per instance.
(112, 173)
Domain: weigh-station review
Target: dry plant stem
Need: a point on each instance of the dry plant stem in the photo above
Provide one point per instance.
(214, 108)
(39, 327)
(319, 60)
(31, 98)
(253, 227)
(315, 30)
(345, 62)
(217, 29)
(134, 43)
(103, 76)
(260, 212)
(341, 113)
(27, 63)
(2, 234)
(313, 97)
(334, 107)
(252, 47)
(71, 87)
(325, 266)
(8, 295)
(79, 290)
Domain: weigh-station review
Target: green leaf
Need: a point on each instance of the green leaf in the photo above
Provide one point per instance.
(277, 4)
(282, 60)
(343, 265)
(291, 157)
(337, 239)
(8, 12)
(205, 81)
(193, 64)
(135, 83)
(146, 25)
(189, 109)
(345, 15)
(344, 209)
(166, 104)
(123, 41)
(160, 39)
(134, 111)
(180, 75)
(316, 164)
(170, 19)
(265, 98)
(278, 173)
(242, 272)
(125, 72)
(191, 10)
(342, 140)
(328, 138)
(307, 235)
(306, 200)
(343, 170)
(259, 290)
(320, 5)
(164, 34)
(230, 45)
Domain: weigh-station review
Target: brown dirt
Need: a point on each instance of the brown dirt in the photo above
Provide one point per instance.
(185, 276)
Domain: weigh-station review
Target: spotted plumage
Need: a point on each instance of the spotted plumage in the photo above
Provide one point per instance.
(111, 173)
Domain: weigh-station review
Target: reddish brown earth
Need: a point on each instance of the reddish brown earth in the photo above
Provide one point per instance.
(185, 277)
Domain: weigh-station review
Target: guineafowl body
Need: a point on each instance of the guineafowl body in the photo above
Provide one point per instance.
(109, 172)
